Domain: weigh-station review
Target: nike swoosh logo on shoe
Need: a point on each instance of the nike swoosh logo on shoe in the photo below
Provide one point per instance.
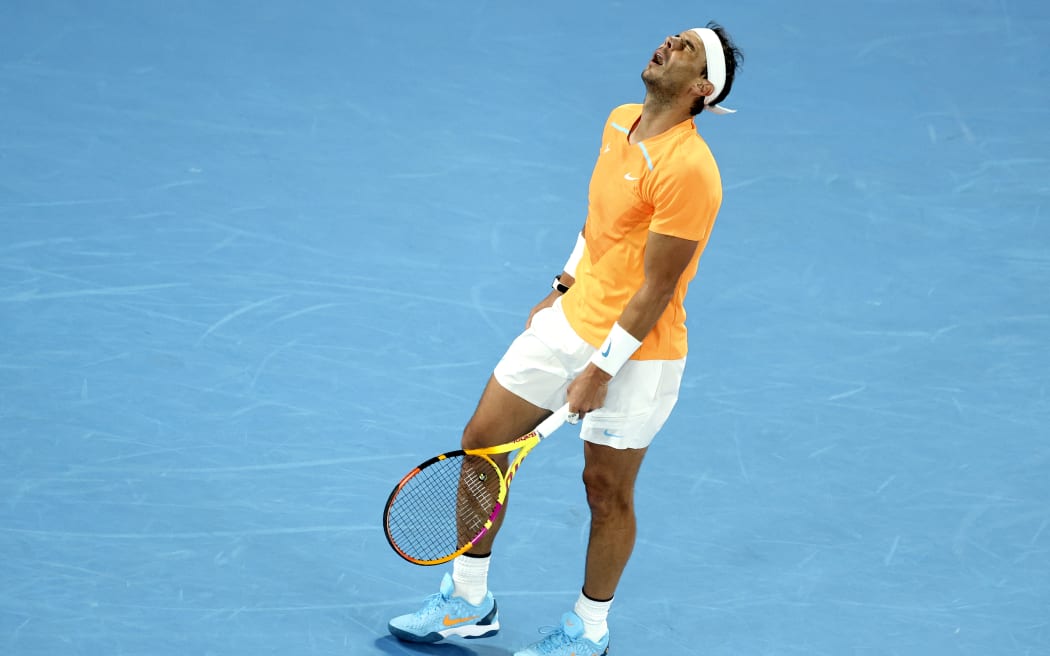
(452, 621)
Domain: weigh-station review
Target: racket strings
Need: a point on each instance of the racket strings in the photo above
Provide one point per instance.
(477, 497)
(443, 507)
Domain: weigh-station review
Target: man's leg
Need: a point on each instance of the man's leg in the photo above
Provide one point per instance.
(500, 417)
(609, 475)
(463, 606)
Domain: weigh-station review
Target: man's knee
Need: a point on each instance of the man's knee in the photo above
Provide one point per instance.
(607, 495)
(477, 435)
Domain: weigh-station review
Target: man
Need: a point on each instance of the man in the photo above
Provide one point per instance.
(610, 339)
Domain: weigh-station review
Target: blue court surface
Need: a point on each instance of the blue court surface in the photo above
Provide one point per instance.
(257, 259)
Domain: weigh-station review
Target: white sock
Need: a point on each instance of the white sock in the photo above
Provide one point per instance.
(593, 613)
(471, 576)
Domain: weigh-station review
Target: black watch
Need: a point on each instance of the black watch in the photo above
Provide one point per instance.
(558, 286)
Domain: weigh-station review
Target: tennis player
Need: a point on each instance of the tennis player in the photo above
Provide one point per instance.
(610, 338)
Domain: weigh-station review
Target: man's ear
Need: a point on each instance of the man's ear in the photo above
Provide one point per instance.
(703, 87)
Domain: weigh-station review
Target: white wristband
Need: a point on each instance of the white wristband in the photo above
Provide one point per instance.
(615, 351)
(574, 259)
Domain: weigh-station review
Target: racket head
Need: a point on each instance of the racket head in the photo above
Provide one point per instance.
(443, 506)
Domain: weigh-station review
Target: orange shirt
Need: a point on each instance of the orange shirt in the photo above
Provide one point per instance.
(668, 184)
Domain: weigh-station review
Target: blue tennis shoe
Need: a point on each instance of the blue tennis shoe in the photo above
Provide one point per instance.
(444, 616)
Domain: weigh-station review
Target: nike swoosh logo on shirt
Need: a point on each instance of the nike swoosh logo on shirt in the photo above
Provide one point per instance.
(629, 177)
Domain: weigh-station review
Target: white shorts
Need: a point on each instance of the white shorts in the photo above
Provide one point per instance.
(539, 365)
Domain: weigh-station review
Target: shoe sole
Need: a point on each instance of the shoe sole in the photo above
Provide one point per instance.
(470, 632)
(604, 653)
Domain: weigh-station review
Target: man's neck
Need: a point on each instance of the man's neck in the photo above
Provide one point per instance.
(658, 117)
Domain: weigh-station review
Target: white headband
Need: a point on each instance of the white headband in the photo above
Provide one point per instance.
(716, 67)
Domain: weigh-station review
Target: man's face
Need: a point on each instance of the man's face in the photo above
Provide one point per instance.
(676, 64)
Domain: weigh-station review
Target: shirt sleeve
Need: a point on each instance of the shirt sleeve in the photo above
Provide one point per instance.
(685, 202)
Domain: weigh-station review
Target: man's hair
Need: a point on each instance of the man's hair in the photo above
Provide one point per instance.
(734, 58)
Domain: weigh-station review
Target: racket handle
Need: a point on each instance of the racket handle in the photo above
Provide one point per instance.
(554, 422)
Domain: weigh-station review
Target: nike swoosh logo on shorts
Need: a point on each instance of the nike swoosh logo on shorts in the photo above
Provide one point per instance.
(608, 433)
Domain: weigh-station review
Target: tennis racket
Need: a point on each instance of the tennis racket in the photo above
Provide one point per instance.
(442, 508)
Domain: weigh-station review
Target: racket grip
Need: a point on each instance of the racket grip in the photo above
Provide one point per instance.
(554, 422)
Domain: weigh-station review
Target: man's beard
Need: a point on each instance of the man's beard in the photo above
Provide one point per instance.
(656, 89)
